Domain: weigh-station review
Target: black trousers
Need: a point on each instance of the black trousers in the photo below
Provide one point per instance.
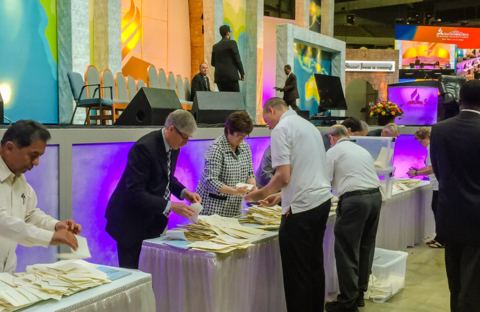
(292, 104)
(301, 250)
(128, 255)
(355, 232)
(438, 238)
(228, 85)
(463, 272)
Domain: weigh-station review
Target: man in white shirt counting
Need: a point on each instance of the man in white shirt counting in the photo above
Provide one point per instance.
(21, 222)
(355, 181)
(298, 157)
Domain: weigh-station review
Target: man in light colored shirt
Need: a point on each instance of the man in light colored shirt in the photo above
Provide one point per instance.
(298, 157)
(21, 222)
(265, 171)
(355, 181)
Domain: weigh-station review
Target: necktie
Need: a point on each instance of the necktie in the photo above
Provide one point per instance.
(205, 79)
(167, 189)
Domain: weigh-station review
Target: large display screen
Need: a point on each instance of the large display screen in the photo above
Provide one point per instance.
(419, 104)
(330, 92)
(425, 55)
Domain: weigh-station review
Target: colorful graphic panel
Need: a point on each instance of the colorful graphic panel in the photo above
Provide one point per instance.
(28, 60)
(427, 55)
(310, 60)
(463, 37)
(419, 104)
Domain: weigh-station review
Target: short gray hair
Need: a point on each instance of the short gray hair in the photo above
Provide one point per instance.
(338, 131)
(274, 102)
(183, 121)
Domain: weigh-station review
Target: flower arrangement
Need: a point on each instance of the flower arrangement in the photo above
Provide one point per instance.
(385, 109)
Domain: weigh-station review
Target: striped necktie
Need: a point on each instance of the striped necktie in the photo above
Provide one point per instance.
(167, 189)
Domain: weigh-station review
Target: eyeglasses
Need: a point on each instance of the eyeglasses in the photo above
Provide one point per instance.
(184, 136)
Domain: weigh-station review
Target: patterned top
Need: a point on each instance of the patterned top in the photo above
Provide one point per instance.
(224, 167)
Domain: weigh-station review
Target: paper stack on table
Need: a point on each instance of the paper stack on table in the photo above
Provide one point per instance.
(219, 234)
(82, 252)
(47, 281)
(268, 217)
(400, 185)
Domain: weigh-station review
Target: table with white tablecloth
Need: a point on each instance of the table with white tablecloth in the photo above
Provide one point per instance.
(406, 218)
(247, 280)
(129, 293)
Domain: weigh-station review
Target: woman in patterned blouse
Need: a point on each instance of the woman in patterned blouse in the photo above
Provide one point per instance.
(228, 161)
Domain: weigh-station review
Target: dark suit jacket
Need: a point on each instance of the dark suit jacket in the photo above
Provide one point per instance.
(135, 210)
(198, 84)
(290, 91)
(455, 155)
(226, 60)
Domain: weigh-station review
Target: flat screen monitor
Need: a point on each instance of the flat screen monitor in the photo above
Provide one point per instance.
(330, 92)
(419, 104)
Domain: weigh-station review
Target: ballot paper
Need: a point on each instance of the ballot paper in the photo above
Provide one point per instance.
(82, 252)
(197, 207)
(217, 234)
(47, 281)
(248, 186)
(268, 216)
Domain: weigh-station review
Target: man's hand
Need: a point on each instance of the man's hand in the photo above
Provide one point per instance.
(64, 237)
(412, 172)
(69, 225)
(192, 197)
(242, 77)
(254, 195)
(182, 210)
(271, 200)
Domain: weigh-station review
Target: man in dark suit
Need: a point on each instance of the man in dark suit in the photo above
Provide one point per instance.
(227, 62)
(454, 151)
(200, 81)
(138, 208)
(290, 91)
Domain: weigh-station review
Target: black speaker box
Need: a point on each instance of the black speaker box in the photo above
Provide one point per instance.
(150, 106)
(214, 107)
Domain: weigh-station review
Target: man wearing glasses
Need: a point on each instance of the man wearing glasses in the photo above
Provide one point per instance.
(139, 207)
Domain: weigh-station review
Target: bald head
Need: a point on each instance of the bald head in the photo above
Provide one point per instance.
(273, 109)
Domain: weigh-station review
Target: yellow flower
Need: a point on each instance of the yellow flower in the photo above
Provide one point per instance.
(383, 113)
(371, 114)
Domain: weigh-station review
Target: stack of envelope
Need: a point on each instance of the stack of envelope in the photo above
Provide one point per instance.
(220, 234)
(267, 217)
(404, 184)
(47, 281)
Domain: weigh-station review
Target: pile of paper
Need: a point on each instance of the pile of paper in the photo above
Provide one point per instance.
(404, 184)
(47, 281)
(220, 234)
(267, 217)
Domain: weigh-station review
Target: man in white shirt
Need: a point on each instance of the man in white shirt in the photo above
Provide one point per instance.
(354, 180)
(21, 222)
(298, 157)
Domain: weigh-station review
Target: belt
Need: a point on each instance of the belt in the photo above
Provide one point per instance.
(219, 197)
(359, 192)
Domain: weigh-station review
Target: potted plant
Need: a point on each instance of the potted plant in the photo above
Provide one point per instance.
(385, 112)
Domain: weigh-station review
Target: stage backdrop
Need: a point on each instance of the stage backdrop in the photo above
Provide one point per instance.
(28, 59)
(310, 60)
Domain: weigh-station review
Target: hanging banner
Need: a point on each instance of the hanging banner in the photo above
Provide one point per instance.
(463, 37)
(370, 66)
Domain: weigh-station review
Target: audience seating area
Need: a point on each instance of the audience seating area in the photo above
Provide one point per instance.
(105, 96)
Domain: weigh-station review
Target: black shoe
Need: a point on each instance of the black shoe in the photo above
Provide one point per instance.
(360, 301)
(336, 306)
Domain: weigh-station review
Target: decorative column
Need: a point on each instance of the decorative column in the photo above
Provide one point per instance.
(328, 15)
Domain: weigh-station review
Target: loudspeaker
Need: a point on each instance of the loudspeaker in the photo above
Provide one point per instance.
(150, 106)
(214, 107)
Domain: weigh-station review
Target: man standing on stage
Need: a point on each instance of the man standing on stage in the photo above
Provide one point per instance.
(354, 179)
(298, 157)
(290, 91)
(227, 62)
(200, 81)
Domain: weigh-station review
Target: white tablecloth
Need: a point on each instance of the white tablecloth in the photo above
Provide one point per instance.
(243, 281)
(131, 293)
(405, 219)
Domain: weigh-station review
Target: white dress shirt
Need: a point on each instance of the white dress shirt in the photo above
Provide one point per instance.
(20, 221)
(296, 142)
(351, 168)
